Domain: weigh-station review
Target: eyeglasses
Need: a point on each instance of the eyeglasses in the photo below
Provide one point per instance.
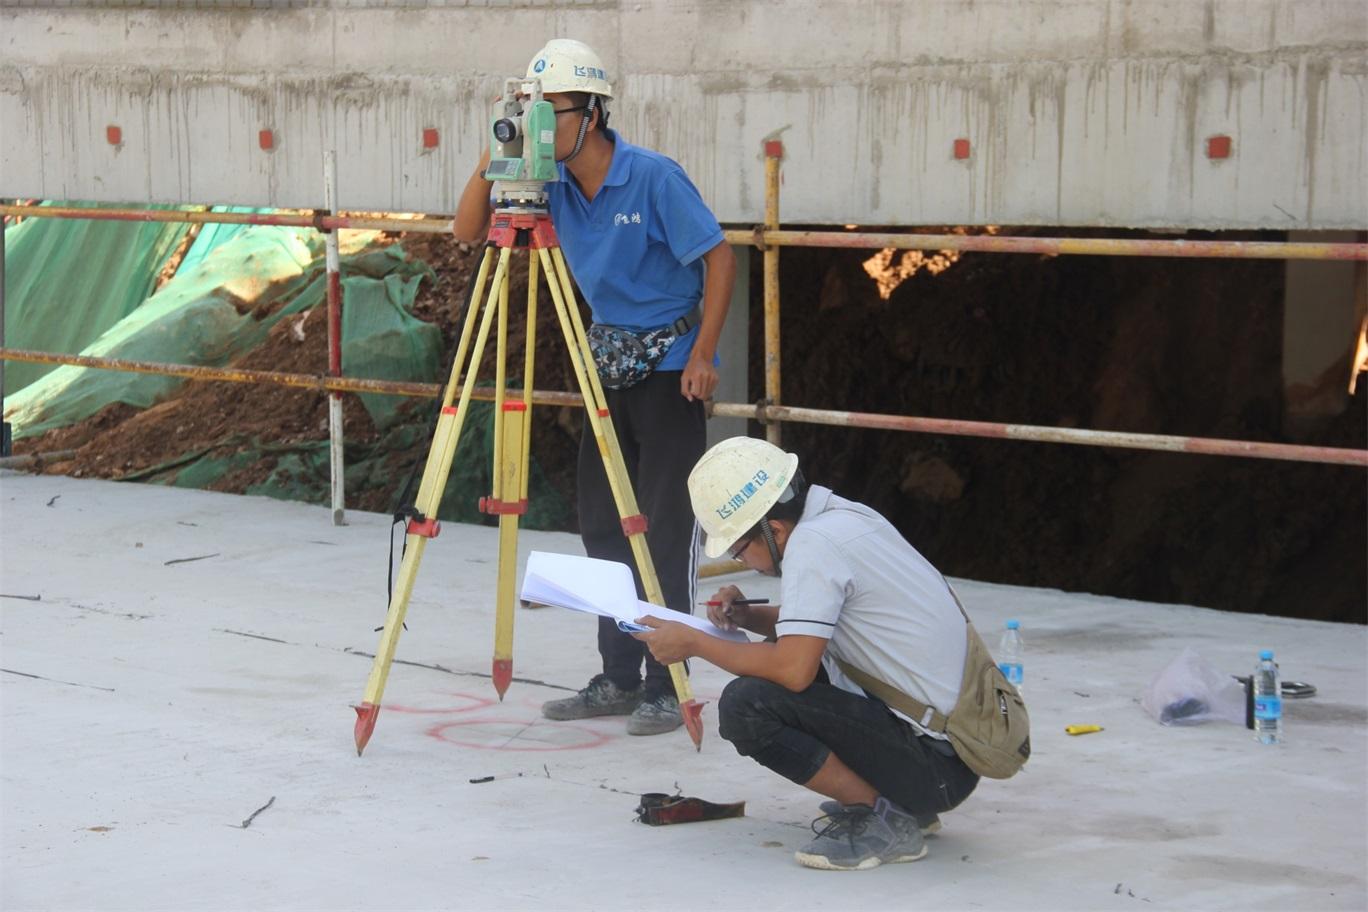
(736, 550)
(569, 110)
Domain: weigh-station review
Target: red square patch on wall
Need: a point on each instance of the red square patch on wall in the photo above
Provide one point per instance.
(1218, 146)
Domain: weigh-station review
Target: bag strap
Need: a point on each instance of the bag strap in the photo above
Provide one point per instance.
(688, 321)
(928, 717)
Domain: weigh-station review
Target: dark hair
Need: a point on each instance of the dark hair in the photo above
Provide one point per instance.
(790, 510)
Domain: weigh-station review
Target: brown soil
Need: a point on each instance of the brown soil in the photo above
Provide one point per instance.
(1187, 347)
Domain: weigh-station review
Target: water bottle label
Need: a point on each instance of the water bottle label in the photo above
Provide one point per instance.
(1011, 671)
(1268, 708)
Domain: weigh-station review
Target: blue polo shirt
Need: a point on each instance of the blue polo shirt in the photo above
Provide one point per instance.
(634, 250)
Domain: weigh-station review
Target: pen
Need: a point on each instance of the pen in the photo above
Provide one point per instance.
(713, 603)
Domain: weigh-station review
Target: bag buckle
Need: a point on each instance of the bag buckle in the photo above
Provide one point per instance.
(688, 321)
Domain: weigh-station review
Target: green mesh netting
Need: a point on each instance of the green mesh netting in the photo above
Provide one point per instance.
(381, 339)
(69, 280)
(221, 304)
(208, 315)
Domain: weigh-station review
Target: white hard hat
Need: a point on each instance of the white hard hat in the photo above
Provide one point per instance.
(734, 485)
(567, 65)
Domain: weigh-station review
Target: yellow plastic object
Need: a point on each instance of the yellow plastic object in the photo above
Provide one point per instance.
(1081, 729)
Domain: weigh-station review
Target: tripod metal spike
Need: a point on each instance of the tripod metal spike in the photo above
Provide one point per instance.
(512, 435)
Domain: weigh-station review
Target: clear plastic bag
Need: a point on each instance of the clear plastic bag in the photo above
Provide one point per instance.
(1189, 691)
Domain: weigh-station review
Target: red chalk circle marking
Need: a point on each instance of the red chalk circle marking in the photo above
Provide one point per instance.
(471, 703)
(511, 735)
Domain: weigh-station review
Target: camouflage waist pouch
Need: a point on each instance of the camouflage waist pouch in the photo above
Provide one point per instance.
(624, 357)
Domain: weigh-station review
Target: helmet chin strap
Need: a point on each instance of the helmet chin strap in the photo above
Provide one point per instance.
(768, 534)
(589, 109)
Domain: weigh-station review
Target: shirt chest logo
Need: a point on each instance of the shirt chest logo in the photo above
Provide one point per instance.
(622, 218)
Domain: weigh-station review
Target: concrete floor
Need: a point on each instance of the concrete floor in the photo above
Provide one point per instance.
(149, 708)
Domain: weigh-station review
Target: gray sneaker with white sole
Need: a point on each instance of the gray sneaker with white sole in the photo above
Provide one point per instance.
(858, 837)
(929, 824)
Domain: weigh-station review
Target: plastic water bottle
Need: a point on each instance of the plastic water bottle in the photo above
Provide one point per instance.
(1267, 686)
(1011, 651)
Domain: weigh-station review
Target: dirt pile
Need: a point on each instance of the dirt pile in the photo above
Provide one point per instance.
(224, 420)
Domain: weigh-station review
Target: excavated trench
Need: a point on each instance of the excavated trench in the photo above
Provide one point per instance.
(1166, 346)
(1162, 346)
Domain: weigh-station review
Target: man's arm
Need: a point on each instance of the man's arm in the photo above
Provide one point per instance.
(472, 212)
(700, 377)
(791, 661)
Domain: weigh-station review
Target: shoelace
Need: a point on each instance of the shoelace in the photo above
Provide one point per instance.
(847, 823)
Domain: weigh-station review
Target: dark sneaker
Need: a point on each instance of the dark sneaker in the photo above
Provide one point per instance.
(929, 824)
(655, 715)
(858, 837)
(601, 697)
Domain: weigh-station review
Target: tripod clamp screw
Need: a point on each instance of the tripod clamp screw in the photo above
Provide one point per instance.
(500, 507)
(427, 527)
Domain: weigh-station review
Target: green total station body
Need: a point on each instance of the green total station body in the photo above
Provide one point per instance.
(522, 136)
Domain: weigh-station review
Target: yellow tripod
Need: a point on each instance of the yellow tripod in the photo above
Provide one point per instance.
(532, 231)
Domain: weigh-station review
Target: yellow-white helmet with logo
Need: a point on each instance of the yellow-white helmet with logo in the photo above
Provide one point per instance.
(734, 485)
(567, 65)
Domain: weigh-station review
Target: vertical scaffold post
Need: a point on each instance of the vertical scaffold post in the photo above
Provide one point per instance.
(774, 154)
(336, 462)
(5, 443)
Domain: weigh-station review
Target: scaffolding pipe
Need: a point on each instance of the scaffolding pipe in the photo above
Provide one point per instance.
(35, 460)
(762, 237)
(321, 221)
(774, 154)
(336, 452)
(1078, 436)
(1056, 246)
(947, 426)
(4, 425)
(276, 378)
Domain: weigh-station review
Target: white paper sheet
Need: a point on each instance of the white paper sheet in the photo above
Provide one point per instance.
(601, 587)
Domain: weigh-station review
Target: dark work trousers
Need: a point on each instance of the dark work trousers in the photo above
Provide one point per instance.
(794, 733)
(661, 435)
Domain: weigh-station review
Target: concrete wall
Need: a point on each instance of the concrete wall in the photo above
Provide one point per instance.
(1076, 112)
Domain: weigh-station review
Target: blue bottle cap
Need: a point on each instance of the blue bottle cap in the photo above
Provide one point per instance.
(1266, 654)
(1013, 625)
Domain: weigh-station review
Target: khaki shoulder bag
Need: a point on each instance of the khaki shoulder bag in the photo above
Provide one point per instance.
(988, 726)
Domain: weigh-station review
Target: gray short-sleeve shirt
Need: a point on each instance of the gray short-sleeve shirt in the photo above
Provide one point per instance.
(851, 578)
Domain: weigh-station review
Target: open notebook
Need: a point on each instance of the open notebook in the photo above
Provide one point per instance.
(601, 587)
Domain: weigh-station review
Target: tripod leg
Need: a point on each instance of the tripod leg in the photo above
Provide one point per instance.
(505, 503)
(440, 453)
(633, 523)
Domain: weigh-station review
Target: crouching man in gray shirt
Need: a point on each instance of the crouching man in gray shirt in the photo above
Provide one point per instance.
(854, 591)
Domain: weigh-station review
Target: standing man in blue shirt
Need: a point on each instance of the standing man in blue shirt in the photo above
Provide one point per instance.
(650, 260)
